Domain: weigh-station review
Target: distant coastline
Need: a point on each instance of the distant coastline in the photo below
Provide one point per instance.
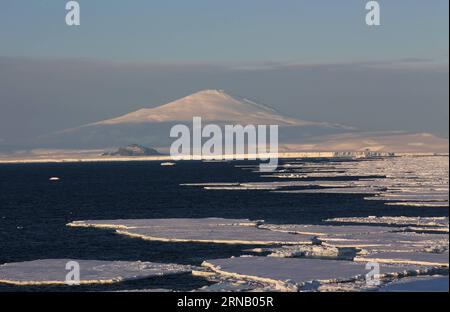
(283, 155)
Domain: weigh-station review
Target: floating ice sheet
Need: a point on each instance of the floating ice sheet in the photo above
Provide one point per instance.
(53, 271)
(212, 230)
(389, 240)
(397, 221)
(419, 204)
(291, 274)
(326, 230)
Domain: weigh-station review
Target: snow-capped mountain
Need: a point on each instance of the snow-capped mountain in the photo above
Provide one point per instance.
(151, 126)
(213, 106)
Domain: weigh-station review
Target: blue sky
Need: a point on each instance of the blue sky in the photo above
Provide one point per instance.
(226, 31)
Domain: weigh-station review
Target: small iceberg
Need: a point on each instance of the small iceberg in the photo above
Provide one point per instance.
(54, 179)
(167, 164)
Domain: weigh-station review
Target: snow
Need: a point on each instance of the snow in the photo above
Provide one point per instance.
(53, 271)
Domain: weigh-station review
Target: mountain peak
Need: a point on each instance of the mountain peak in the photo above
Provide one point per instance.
(210, 92)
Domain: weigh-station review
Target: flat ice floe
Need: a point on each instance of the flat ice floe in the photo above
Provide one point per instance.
(338, 190)
(54, 272)
(440, 222)
(291, 274)
(326, 230)
(407, 257)
(210, 230)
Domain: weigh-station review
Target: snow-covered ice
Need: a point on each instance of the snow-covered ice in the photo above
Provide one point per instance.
(54, 272)
(210, 230)
(292, 274)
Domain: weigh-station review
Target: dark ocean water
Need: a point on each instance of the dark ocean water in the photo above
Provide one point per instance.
(34, 212)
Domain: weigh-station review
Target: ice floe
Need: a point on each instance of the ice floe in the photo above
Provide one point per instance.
(292, 274)
(441, 222)
(54, 272)
(210, 230)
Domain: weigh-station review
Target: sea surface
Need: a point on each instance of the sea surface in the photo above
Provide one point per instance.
(34, 212)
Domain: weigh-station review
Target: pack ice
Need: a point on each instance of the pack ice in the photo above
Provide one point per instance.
(421, 181)
(305, 254)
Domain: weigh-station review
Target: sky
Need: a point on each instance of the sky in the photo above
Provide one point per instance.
(314, 60)
(232, 30)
